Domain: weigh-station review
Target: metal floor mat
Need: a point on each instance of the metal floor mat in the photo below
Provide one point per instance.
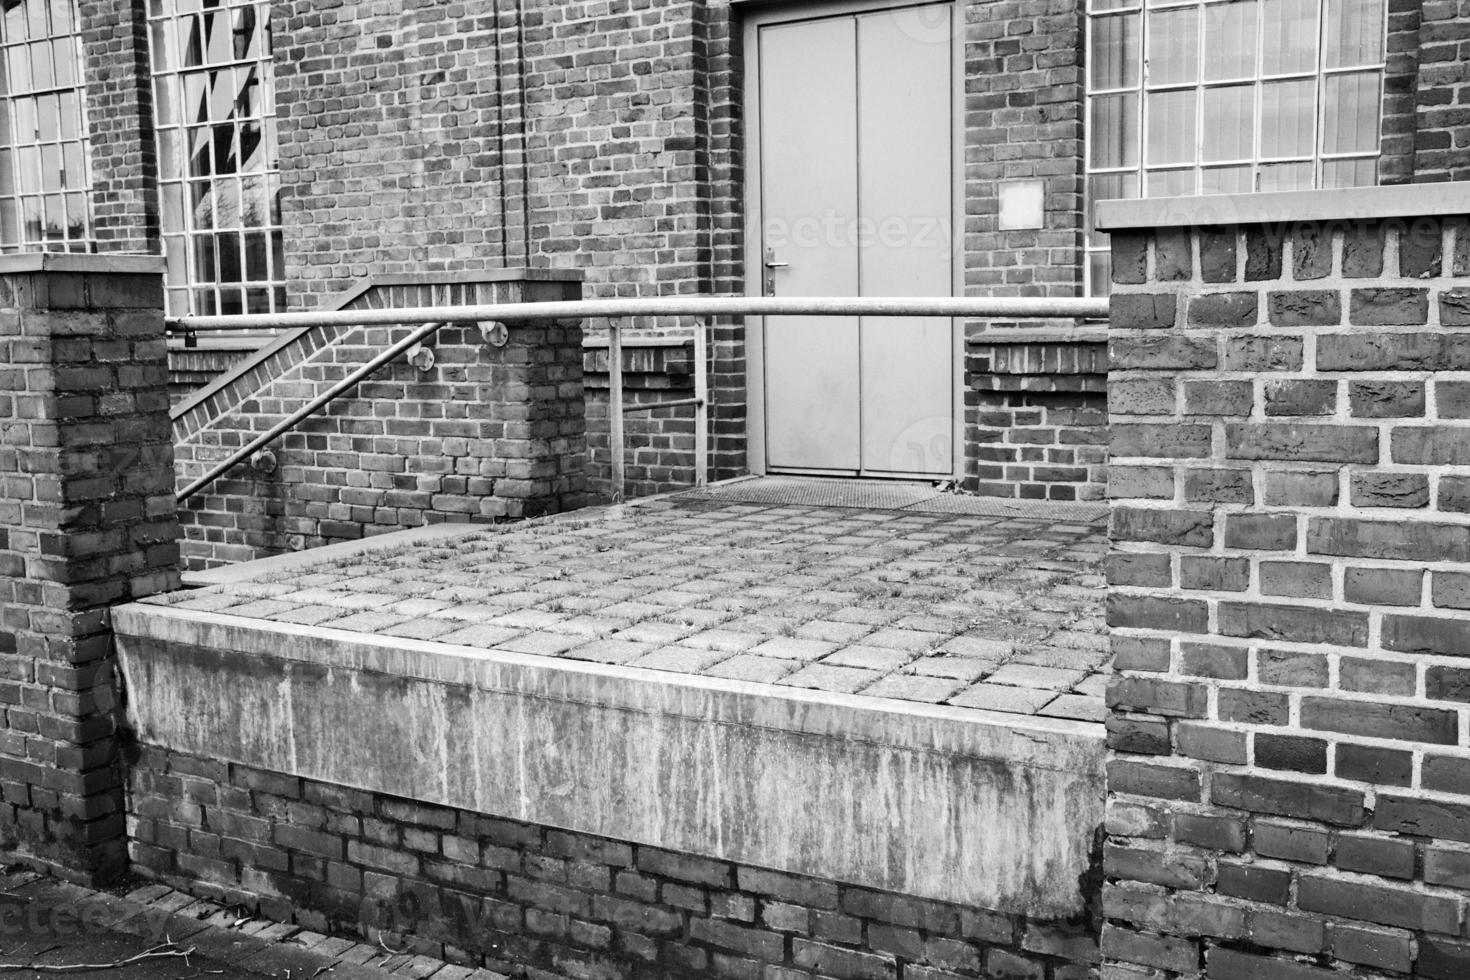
(923, 498)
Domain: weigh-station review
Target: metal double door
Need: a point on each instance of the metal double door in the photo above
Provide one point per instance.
(856, 199)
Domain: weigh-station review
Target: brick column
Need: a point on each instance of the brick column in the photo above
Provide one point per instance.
(86, 520)
(120, 124)
(1289, 766)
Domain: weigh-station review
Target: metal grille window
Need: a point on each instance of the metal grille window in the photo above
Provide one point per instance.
(219, 179)
(45, 174)
(1229, 96)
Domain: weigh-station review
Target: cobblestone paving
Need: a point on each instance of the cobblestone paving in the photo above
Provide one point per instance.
(998, 613)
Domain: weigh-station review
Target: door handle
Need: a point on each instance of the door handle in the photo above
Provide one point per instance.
(772, 263)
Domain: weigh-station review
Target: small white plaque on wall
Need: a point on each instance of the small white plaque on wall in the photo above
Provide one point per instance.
(1022, 205)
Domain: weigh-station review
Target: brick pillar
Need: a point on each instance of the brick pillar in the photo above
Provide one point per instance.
(1289, 765)
(86, 520)
(120, 125)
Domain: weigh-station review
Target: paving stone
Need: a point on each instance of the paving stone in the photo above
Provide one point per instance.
(610, 651)
(833, 631)
(685, 660)
(841, 680)
(912, 687)
(1027, 675)
(995, 697)
(480, 635)
(260, 609)
(367, 621)
(652, 632)
(541, 642)
(869, 658)
(745, 667)
(967, 669)
(974, 646)
(309, 615)
(728, 640)
(423, 629)
(791, 648)
(1076, 706)
(902, 639)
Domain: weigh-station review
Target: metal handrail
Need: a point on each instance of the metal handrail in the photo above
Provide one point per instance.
(432, 318)
(320, 401)
(1019, 307)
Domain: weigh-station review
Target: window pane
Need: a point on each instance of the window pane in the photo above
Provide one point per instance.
(61, 22)
(1349, 173)
(48, 118)
(1113, 131)
(55, 206)
(171, 198)
(1285, 177)
(74, 164)
(1289, 36)
(1115, 51)
(63, 61)
(257, 250)
(77, 217)
(219, 38)
(29, 160)
(1108, 187)
(1230, 123)
(9, 222)
(1354, 32)
(18, 61)
(1099, 272)
(51, 180)
(1098, 6)
(42, 76)
(1173, 46)
(170, 154)
(1170, 183)
(15, 21)
(1226, 180)
(1288, 124)
(30, 216)
(36, 18)
(1230, 40)
(1171, 127)
(1350, 112)
(70, 114)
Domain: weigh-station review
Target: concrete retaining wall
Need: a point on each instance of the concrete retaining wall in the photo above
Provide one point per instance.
(820, 802)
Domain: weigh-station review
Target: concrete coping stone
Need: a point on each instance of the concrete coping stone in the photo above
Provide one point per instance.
(1037, 741)
(1335, 204)
(127, 263)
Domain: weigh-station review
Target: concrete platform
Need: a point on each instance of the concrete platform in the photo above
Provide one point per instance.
(900, 700)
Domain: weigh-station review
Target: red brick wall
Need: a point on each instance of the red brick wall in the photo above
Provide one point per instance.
(119, 103)
(1442, 145)
(86, 520)
(1289, 777)
(485, 434)
(521, 899)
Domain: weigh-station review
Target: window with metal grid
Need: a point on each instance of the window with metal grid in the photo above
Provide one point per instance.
(219, 177)
(1229, 96)
(45, 174)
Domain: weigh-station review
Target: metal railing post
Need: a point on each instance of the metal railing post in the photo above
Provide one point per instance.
(701, 405)
(615, 406)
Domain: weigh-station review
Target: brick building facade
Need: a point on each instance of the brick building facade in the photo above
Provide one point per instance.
(280, 153)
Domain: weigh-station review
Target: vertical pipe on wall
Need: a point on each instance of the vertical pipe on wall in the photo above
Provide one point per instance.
(615, 405)
(701, 406)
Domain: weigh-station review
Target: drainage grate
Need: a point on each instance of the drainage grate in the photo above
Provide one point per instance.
(888, 495)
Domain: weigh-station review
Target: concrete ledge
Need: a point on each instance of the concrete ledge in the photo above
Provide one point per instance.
(127, 263)
(983, 809)
(1341, 204)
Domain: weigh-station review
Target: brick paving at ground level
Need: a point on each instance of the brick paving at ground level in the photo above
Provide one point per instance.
(1000, 613)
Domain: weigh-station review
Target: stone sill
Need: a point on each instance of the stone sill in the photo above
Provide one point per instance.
(1340, 204)
(978, 808)
(113, 263)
